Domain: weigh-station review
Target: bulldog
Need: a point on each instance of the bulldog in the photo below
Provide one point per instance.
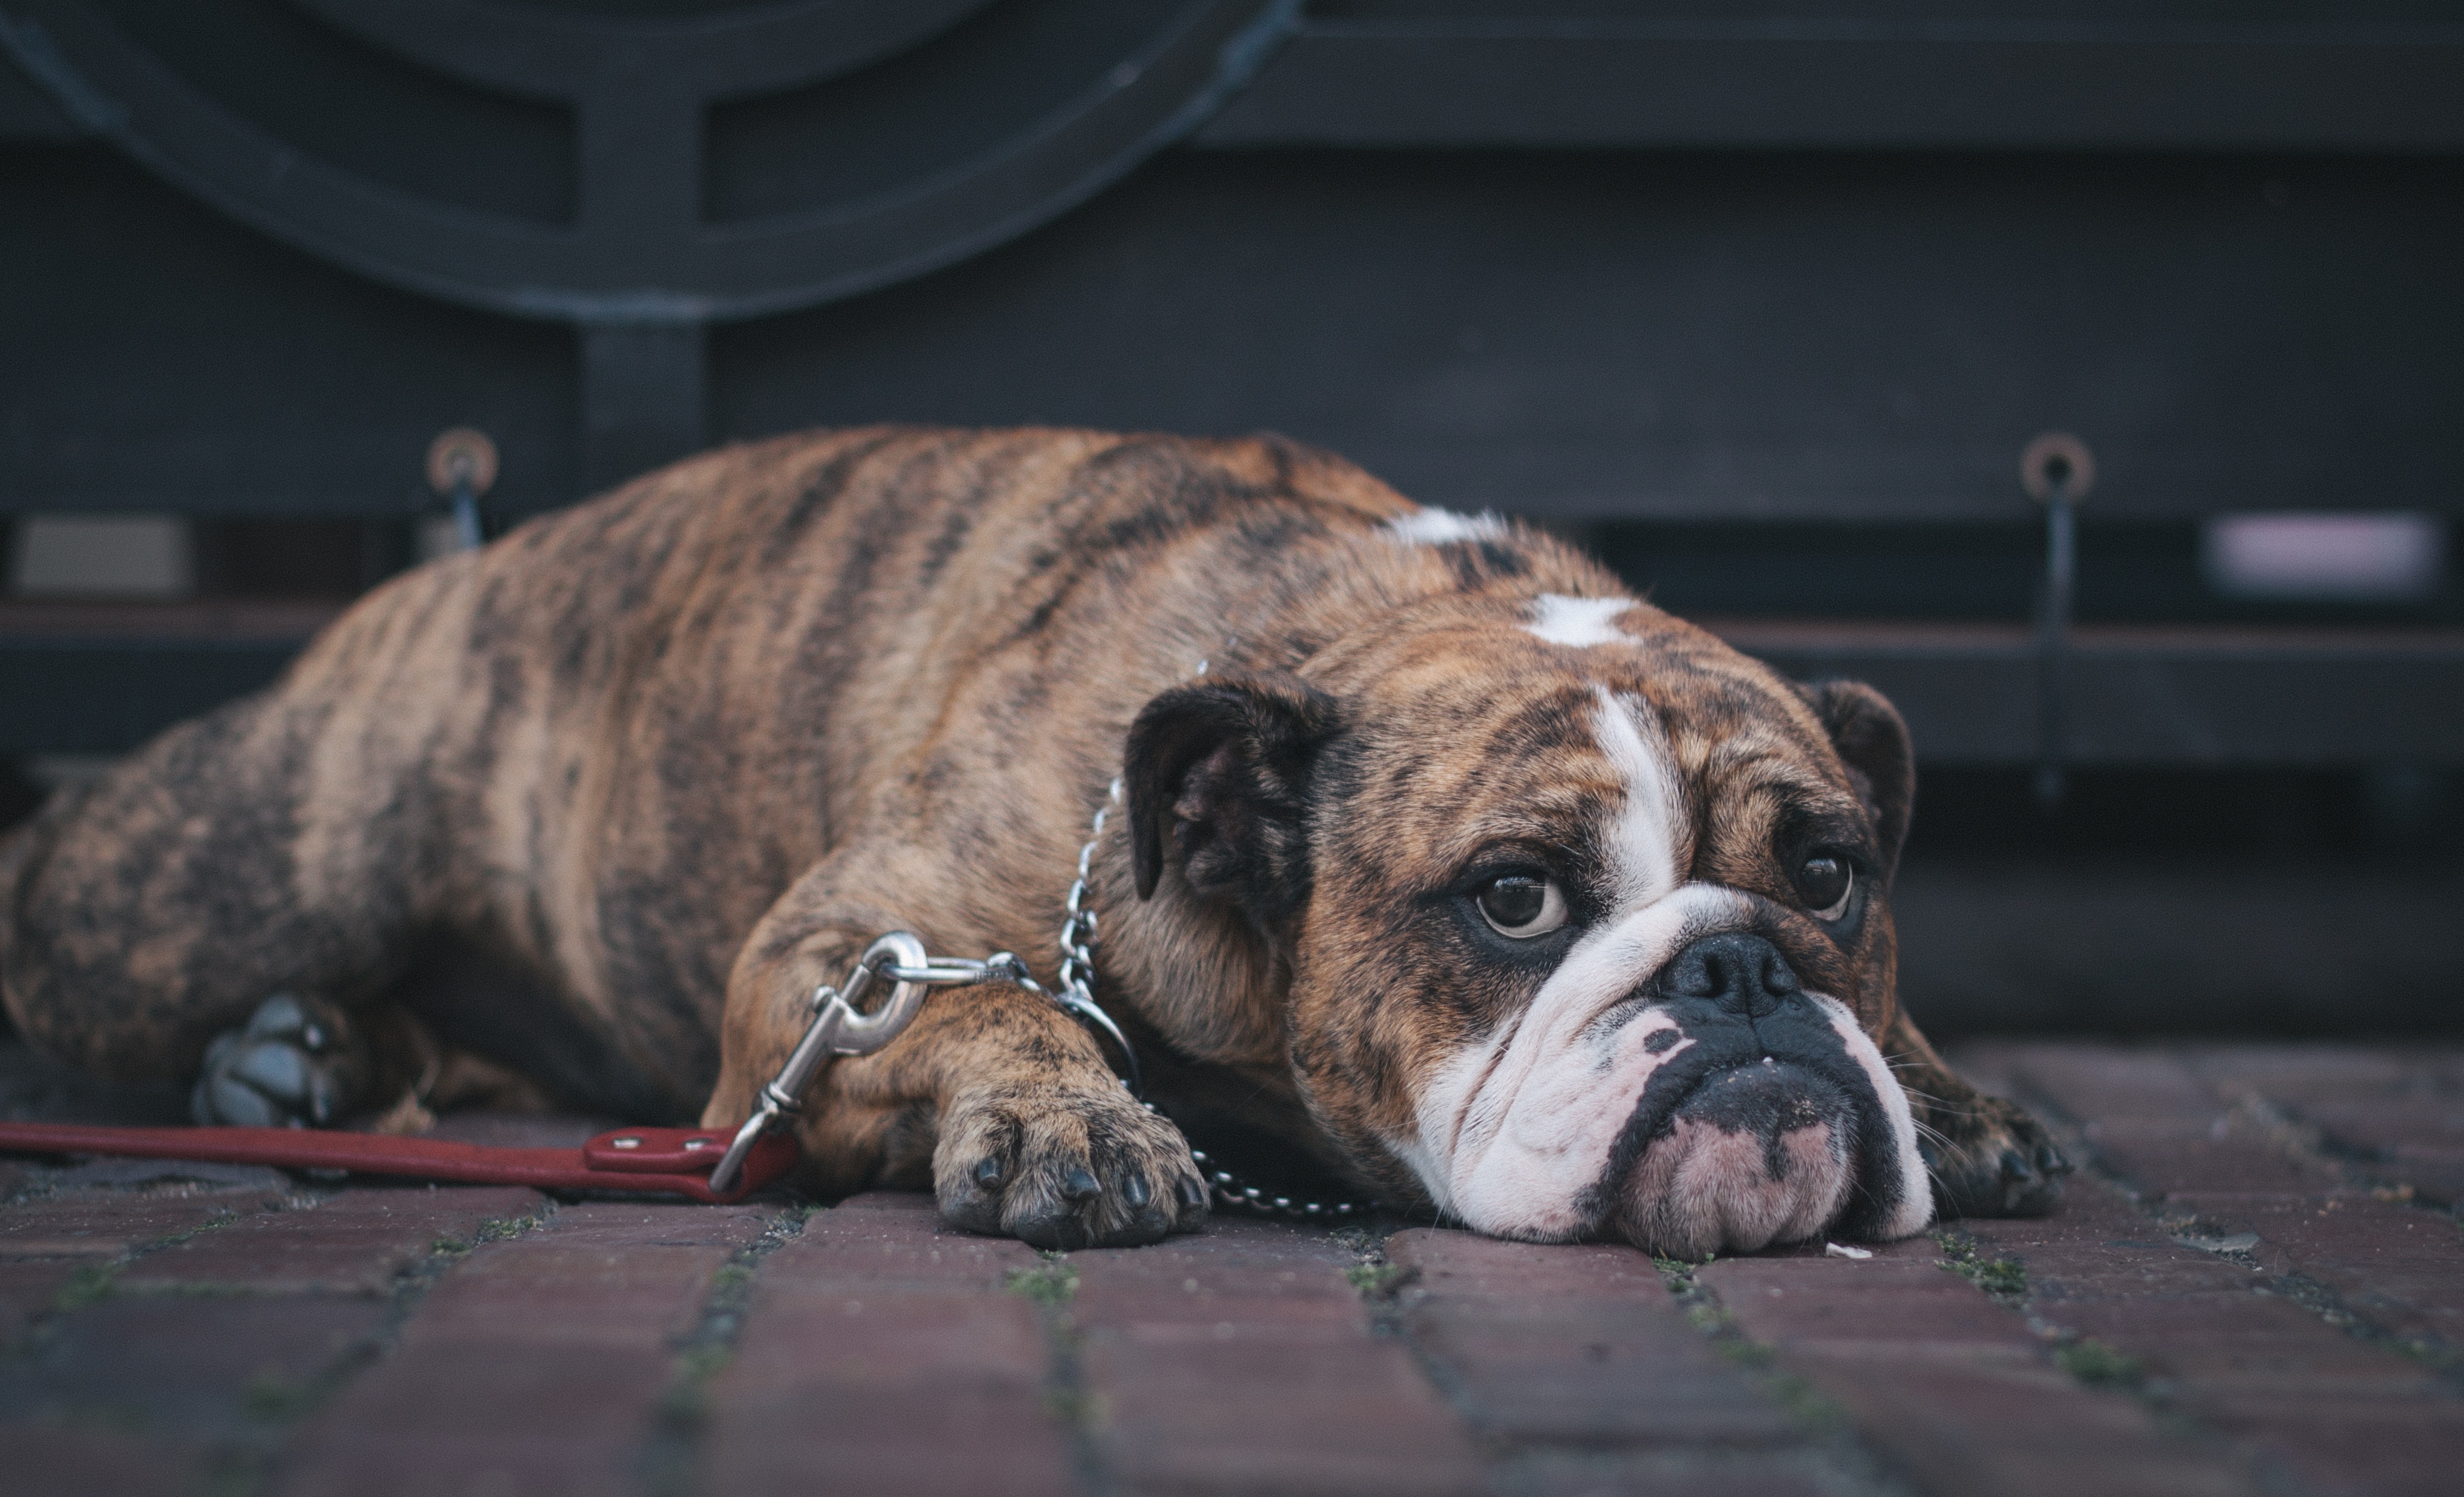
(1444, 865)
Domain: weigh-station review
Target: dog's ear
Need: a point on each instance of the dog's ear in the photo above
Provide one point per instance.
(1872, 740)
(1220, 767)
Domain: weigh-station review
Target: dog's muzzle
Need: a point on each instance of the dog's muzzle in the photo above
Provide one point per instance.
(1764, 1129)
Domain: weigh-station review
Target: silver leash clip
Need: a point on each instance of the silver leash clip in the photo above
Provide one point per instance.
(840, 1026)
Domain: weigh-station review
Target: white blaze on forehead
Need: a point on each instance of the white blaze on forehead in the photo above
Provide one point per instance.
(1436, 527)
(1579, 621)
(1644, 840)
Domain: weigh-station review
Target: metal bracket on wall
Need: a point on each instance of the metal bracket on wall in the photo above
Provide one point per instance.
(461, 469)
(640, 273)
(2058, 469)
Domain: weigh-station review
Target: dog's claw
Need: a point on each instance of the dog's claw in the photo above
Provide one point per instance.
(2005, 1167)
(2032, 1186)
(282, 1017)
(2019, 1180)
(1067, 1170)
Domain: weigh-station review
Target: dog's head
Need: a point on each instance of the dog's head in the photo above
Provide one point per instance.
(1576, 916)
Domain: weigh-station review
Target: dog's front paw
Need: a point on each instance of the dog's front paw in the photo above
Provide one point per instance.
(1993, 1160)
(1066, 1168)
(292, 1065)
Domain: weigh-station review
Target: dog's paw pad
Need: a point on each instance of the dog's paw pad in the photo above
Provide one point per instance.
(284, 1068)
(1094, 1171)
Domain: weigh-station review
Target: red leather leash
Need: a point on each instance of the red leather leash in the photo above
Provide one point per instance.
(659, 1162)
(714, 1167)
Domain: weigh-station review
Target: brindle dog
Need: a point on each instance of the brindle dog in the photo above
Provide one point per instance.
(1445, 861)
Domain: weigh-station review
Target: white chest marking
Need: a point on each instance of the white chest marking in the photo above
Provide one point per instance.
(1436, 527)
(1579, 621)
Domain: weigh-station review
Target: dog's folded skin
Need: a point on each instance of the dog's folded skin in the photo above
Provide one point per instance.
(1508, 895)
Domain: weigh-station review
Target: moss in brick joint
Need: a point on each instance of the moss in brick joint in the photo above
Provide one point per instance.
(88, 1286)
(495, 1230)
(702, 1353)
(1794, 1395)
(2432, 1352)
(272, 1399)
(1379, 1282)
(684, 1409)
(1050, 1284)
(2097, 1365)
(93, 1283)
(272, 1404)
(2003, 1278)
(2006, 1279)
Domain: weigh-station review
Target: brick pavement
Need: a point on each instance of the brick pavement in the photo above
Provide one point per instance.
(2256, 1287)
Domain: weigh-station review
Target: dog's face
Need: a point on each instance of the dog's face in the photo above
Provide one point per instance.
(1584, 916)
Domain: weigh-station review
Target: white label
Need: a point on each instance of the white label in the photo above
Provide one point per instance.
(102, 555)
(2325, 557)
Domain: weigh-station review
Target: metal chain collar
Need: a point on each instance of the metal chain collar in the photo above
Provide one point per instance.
(839, 1027)
(1078, 995)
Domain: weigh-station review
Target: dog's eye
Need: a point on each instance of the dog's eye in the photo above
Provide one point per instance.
(1824, 882)
(1523, 905)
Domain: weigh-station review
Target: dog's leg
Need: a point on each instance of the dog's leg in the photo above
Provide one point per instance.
(1987, 1156)
(162, 905)
(992, 1097)
(196, 889)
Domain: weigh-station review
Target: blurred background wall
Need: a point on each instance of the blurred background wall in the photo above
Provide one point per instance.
(1762, 299)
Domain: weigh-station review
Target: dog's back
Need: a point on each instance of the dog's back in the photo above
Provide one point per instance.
(600, 747)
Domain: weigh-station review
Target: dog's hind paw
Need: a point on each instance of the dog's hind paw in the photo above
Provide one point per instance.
(1064, 1170)
(291, 1066)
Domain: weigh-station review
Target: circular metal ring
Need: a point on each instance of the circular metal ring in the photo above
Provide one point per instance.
(461, 458)
(2057, 464)
(864, 1033)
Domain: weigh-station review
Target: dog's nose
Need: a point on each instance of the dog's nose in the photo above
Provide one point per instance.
(1745, 975)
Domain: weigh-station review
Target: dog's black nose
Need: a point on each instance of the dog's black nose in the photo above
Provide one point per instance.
(1745, 975)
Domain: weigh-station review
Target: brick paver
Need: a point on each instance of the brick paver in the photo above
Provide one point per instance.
(2256, 1286)
(1572, 1346)
(100, 1226)
(2202, 1138)
(354, 1242)
(46, 1459)
(884, 1354)
(536, 1365)
(1952, 1390)
(1582, 1371)
(1244, 1361)
(108, 1388)
(2215, 1292)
